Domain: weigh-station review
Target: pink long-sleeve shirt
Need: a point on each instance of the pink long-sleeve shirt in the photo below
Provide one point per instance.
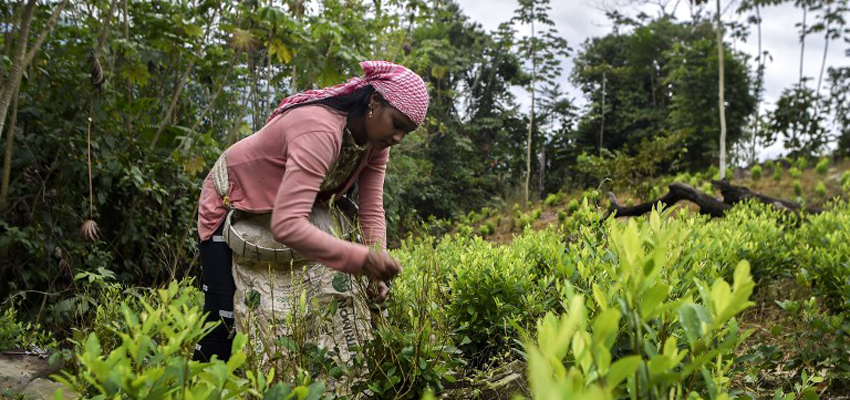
(280, 169)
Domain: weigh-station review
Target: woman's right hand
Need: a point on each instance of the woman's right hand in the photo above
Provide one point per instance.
(380, 266)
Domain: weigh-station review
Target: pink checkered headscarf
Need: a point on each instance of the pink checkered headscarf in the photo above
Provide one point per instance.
(401, 87)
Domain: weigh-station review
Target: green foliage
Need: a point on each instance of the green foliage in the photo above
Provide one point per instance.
(822, 166)
(620, 347)
(153, 359)
(755, 172)
(660, 75)
(845, 177)
(15, 334)
(798, 187)
(795, 172)
(822, 250)
(802, 163)
(573, 205)
(777, 173)
(820, 189)
(553, 199)
(769, 164)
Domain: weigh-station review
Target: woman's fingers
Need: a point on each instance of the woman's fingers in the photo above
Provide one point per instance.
(380, 266)
(378, 291)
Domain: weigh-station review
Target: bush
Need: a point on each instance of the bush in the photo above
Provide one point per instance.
(770, 164)
(845, 177)
(777, 173)
(801, 163)
(798, 188)
(755, 172)
(553, 199)
(822, 166)
(594, 350)
(573, 205)
(820, 189)
(795, 173)
(153, 359)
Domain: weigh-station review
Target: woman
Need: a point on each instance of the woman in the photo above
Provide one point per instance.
(295, 160)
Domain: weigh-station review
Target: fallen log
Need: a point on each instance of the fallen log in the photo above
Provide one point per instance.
(735, 194)
(708, 205)
(677, 192)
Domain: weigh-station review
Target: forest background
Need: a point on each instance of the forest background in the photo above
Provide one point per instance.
(114, 110)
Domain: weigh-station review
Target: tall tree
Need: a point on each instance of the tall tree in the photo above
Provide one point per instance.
(543, 51)
(24, 52)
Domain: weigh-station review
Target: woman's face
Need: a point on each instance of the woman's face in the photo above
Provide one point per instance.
(386, 126)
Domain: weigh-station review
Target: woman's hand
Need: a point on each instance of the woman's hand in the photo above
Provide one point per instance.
(379, 266)
(378, 291)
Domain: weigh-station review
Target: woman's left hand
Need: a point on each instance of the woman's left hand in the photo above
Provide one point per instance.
(378, 291)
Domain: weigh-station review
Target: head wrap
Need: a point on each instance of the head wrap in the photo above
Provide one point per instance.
(401, 87)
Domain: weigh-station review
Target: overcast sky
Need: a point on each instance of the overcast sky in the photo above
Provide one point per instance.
(577, 20)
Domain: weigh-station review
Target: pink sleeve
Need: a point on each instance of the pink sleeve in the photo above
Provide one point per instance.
(371, 188)
(309, 157)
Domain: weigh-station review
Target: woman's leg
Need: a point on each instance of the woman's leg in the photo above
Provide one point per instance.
(218, 286)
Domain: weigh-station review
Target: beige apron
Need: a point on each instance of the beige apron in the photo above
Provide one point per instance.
(286, 303)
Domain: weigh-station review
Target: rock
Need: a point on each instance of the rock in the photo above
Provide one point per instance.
(507, 383)
(17, 371)
(43, 389)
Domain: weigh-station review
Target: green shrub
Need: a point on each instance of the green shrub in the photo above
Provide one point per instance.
(795, 173)
(820, 189)
(153, 359)
(802, 163)
(769, 164)
(822, 166)
(15, 334)
(755, 172)
(562, 216)
(822, 250)
(484, 230)
(552, 199)
(573, 205)
(777, 173)
(595, 350)
(798, 188)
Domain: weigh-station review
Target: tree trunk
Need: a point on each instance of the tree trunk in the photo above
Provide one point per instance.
(17, 70)
(602, 124)
(541, 182)
(720, 101)
(7, 159)
(531, 122)
(183, 80)
(825, 48)
(759, 82)
(803, 44)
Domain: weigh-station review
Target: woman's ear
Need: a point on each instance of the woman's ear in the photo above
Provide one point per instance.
(375, 100)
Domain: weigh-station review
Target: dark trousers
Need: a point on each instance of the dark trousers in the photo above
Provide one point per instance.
(219, 288)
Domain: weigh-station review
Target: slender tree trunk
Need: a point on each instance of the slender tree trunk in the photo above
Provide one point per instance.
(825, 48)
(182, 82)
(759, 82)
(17, 70)
(7, 159)
(541, 183)
(720, 101)
(531, 121)
(217, 92)
(803, 44)
(602, 124)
